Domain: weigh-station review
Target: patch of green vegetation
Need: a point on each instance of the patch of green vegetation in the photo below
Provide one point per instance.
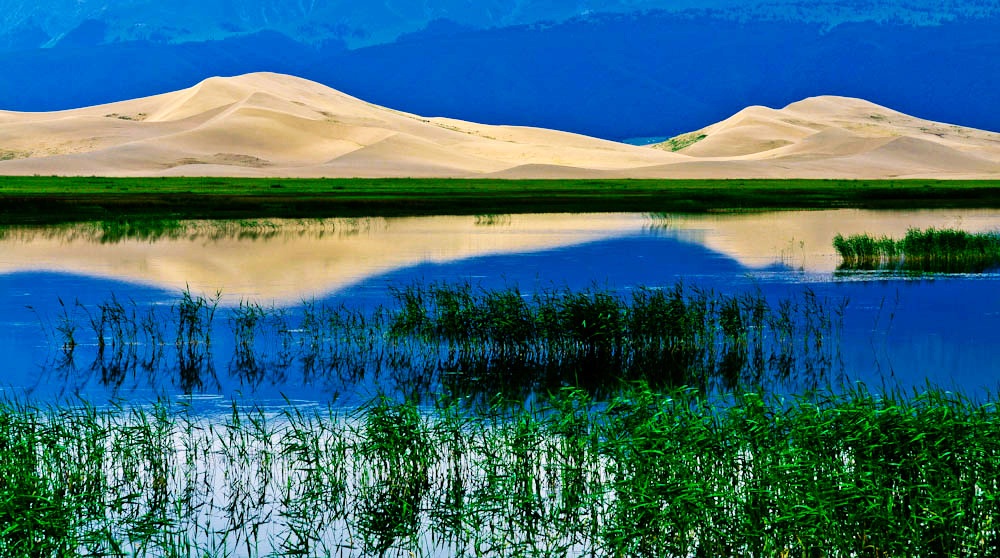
(117, 230)
(510, 343)
(647, 473)
(131, 117)
(151, 230)
(497, 342)
(25, 200)
(35, 513)
(683, 141)
(492, 220)
(931, 250)
(7, 155)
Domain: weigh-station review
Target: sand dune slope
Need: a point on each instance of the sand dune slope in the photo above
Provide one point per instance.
(834, 137)
(276, 125)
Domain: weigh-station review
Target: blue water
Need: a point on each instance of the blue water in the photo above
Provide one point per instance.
(645, 140)
(897, 331)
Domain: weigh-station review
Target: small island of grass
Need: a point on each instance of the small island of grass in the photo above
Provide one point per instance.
(930, 250)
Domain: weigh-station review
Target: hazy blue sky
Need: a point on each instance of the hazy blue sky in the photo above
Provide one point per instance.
(613, 69)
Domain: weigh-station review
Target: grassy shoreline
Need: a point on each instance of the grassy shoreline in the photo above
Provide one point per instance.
(47, 200)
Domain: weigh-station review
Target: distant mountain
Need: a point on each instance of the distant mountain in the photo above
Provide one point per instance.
(267, 124)
(611, 76)
(663, 74)
(45, 23)
(57, 79)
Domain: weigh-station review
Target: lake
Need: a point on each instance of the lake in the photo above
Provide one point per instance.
(549, 385)
(895, 330)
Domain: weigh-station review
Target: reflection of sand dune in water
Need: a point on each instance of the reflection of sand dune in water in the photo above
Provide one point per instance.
(305, 259)
(804, 239)
(300, 260)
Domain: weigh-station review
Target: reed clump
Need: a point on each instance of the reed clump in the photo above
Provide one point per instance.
(518, 343)
(132, 229)
(931, 250)
(644, 473)
(466, 340)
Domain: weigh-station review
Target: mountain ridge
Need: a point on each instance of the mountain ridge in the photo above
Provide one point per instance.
(74, 23)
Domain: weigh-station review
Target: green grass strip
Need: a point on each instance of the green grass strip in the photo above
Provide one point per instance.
(25, 200)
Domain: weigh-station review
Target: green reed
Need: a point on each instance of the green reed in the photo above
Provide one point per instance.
(930, 250)
(131, 229)
(647, 473)
(468, 340)
(515, 342)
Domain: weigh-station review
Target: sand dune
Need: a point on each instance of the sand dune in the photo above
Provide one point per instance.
(836, 137)
(276, 125)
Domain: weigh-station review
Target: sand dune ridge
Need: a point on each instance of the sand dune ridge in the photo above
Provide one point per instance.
(267, 124)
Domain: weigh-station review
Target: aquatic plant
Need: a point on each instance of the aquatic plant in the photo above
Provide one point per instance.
(647, 473)
(150, 229)
(472, 341)
(516, 343)
(930, 250)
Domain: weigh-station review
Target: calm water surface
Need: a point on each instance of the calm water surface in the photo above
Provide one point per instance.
(898, 331)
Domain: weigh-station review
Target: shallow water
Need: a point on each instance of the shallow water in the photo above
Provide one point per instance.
(897, 331)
